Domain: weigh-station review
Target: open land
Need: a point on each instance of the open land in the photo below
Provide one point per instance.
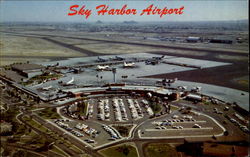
(138, 89)
(45, 42)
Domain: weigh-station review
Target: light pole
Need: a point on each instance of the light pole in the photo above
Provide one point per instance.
(114, 73)
(97, 77)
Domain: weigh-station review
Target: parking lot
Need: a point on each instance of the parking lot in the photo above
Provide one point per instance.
(123, 109)
(93, 134)
(181, 125)
(102, 113)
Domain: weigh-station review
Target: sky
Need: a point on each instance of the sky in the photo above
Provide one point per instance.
(57, 11)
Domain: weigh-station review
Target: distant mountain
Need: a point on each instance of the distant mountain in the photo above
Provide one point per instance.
(99, 22)
(129, 22)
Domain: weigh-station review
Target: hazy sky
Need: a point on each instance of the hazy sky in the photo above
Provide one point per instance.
(195, 10)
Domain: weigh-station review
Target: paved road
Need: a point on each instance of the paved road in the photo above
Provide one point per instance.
(68, 136)
(61, 146)
(45, 154)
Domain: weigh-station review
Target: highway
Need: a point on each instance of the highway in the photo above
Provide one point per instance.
(77, 143)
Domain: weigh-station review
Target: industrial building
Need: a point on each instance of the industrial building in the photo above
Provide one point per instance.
(193, 39)
(221, 41)
(28, 70)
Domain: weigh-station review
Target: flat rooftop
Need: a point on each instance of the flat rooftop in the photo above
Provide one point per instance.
(26, 67)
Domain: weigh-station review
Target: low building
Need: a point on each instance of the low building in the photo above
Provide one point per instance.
(28, 70)
(221, 41)
(174, 96)
(193, 39)
(194, 97)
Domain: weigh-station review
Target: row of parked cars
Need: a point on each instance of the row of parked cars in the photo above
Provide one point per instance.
(148, 108)
(175, 127)
(66, 127)
(103, 110)
(119, 110)
(71, 114)
(176, 119)
(135, 109)
(111, 132)
(90, 109)
(237, 123)
(85, 128)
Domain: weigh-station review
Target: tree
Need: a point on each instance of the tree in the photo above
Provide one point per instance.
(125, 150)
(226, 133)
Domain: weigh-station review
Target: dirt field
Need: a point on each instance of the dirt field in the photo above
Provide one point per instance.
(22, 44)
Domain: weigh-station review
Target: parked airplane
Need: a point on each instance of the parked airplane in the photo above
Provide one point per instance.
(53, 65)
(159, 58)
(154, 60)
(182, 87)
(128, 65)
(101, 59)
(151, 61)
(69, 83)
(196, 89)
(105, 67)
(168, 81)
(75, 70)
(47, 88)
(119, 58)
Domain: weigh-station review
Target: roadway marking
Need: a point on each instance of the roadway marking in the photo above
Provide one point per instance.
(164, 137)
(38, 109)
(205, 128)
(176, 137)
(221, 134)
(63, 117)
(201, 121)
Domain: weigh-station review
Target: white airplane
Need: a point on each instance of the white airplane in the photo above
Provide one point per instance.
(47, 88)
(128, 65)
(169, 80)
(196, 89)
(70, 82)
(182, 87)
(105, 67)
(53, 65)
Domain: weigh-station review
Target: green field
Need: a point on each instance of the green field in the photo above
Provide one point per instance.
(120, 151)
(35, 124)
(123, 129)
(49, 113)
(160, 150)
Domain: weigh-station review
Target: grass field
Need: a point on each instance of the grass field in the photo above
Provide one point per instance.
(49, 113)
(27, 137)
(35, 124)
(120, 151)
(58, 150)
(160, 150)
(123, 129)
